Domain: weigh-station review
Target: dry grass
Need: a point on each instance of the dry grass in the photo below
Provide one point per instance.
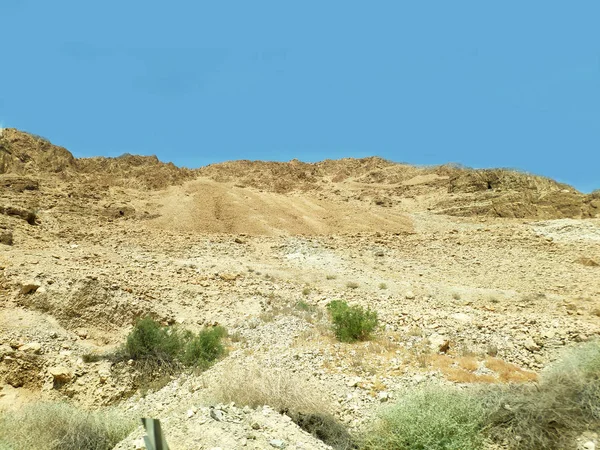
(282, 390)
(508, 372)
(59, 426)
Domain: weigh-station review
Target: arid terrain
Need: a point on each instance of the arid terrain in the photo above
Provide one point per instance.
(477, 277)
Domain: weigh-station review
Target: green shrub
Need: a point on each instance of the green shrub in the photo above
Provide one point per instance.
(160, 350)
(149, 340)
(206, 347)
(59, 426)
(351, 323)
(429, 419)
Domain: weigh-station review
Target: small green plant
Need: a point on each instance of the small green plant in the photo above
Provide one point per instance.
(303, 306)
(432, 418)
(382, 286)
(150, 340)
(206, 347)
(351, 323)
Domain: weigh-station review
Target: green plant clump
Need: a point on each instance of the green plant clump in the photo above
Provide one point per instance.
(157, 345)
(351, 323)
(429, 419)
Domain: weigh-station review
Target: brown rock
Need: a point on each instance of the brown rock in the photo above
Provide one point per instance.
(6, 237)
(587, 262)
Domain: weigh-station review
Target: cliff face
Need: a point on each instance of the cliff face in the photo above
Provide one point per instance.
(23, 153)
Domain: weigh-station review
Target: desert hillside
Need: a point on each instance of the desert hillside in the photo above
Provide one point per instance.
(478, 277)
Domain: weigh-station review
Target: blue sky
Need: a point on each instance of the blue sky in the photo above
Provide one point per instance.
(486, 84)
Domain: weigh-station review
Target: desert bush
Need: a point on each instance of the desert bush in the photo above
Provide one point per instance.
(150, 340)
(59, 426)
(206, 347)
(429, 419)
(160, 351)
(351, 323)
(551, 414)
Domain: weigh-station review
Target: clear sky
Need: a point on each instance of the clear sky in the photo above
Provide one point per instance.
(486, 84)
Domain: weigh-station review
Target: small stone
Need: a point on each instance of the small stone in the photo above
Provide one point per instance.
(255, 426)
(410, 295)
(216, 414)
(6, 350)
(82, 333)
(32, 347)
(589, 445)
(354, 382)
(29, 287)
(439, 343)
(60, 374)
(383, 396)
(103, 375)
(530, 345)
(190, 413)
(277, 443)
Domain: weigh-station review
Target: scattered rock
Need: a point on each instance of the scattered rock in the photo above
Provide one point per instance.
(6, 350)
(277, 443)
(30, 287)
(60, 374)
(32, 347)
(439, 343)
(530, 345)
(587, 262)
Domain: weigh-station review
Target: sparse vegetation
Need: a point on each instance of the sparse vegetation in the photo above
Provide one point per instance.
(287, 393)
(331, 277)
(549, 414)
(306, 291)
(352, 285)
(59, 426)
(351, 323)
(382, 286)
(303, 306)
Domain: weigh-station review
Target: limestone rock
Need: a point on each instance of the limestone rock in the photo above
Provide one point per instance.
(60, 374)
(29, 287)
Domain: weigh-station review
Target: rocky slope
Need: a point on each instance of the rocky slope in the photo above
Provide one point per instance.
(477, 277)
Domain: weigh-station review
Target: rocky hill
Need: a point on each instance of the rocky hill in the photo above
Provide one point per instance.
(477, 276)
